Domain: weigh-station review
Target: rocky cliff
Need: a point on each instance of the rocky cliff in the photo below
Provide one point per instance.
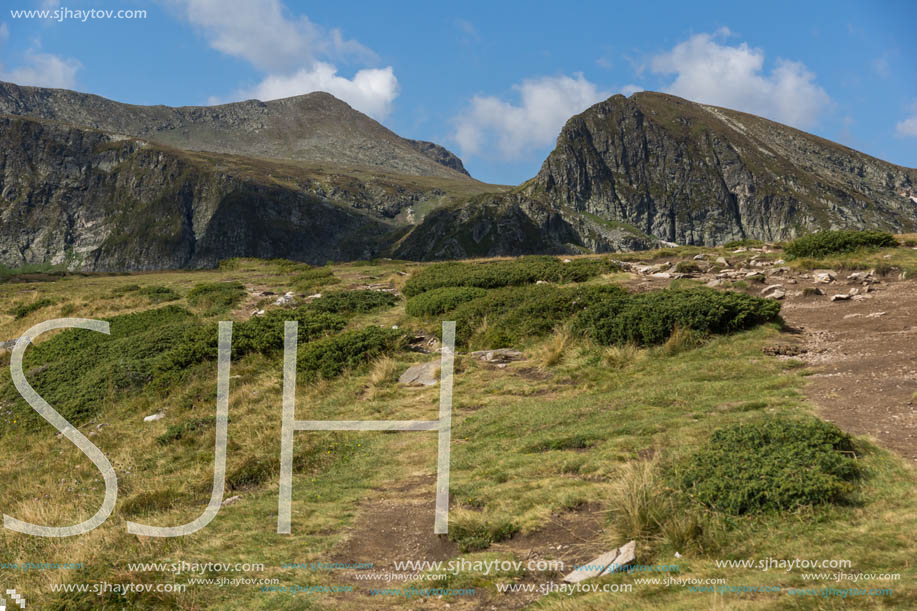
(99, 185)
(631, 172)
(94, 201)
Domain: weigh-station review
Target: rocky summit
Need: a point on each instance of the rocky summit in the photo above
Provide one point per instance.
(93, 184)
(630, 173)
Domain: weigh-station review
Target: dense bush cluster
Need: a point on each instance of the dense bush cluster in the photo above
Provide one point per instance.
(353, 302)
(830, 242)
(78, 371)
(649, 318)
(772, 464)
(504, 317)
(606, 314)
(524, 270)
(330, 357)
(216, 297)
(442, 300)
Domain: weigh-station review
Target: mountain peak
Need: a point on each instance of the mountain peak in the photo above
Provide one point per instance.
(313, 127)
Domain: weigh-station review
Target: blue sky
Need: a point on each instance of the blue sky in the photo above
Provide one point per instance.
(493, 81)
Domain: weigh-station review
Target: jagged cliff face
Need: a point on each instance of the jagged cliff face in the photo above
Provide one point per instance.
(98, 185)
(98, 202)
(632, 173)
(695, 174)
(316, 127)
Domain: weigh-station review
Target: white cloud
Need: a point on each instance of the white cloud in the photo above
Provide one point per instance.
(733, 76)
(291, 51)
(371, 90)
(544, 106)
(43, 70)
(631, 89)
(907, 128)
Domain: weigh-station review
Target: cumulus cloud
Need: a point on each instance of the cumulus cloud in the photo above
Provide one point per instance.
(708, 70)
(371, 90)
(907, 128)
(515, 129)
(43, 70)
(294, 53)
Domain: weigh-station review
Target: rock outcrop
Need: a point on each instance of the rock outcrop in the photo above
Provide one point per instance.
(656, 169)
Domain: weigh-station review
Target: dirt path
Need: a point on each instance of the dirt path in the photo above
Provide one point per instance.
(863, 350)
(865, 359)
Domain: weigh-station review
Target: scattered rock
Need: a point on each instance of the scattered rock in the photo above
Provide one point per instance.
(662, 275)
(844, 297)
(876, 314)
(154, 417)
(540, 282)
(854, 291)
(568, 260)
(8, 344)
(770, 288)
(268, 293)
(716, 282)
(855, 315)
(700, 257)
(777, 294)
(606, 564)
(722, 261)
(424, 374)
(232, 500)
(824, 277)
(501, 355)
(286, 299)
(785, 350)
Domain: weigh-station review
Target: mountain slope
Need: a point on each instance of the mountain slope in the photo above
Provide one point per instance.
(94, 201)
(316, 127)
(660, 168)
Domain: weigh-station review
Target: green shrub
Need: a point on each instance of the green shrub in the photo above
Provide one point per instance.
(524, 270)
(261, 334)
(353, 302)
(744, 243)
(830, 242)
(474, 533)
(158, 294)
(21, 310)
(215, 297)
(504, 317)
(441, 300)
(771, 464)
(687, 267)
(329, 357)
(646, 319)
(80, 372)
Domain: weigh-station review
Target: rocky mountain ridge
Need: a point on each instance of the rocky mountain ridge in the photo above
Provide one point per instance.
(315, 127)
(97, 185)
(653, 168)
